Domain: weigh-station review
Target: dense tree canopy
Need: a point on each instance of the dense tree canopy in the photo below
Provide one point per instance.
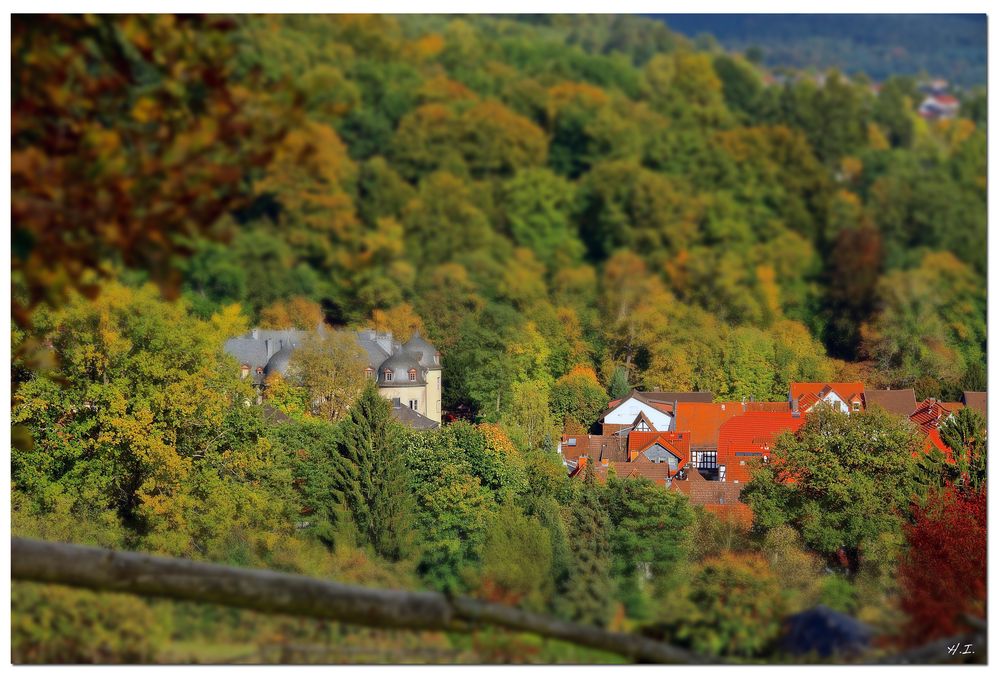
(568, 208)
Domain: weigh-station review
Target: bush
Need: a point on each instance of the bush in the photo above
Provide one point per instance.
(737, 607)
(53, 624)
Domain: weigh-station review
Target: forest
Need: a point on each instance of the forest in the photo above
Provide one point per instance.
(567, 207)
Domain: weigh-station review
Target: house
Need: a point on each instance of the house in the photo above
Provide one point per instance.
(656, 406)
(658, 456)
(932, 413)
(929, 416)
(409, 375)
(900, 402)
(847, 397)
(703, 421)
(751, 437)
(938, 106)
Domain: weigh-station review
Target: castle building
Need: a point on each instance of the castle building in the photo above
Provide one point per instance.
(408, 375)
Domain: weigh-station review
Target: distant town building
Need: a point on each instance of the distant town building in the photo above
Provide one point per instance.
(706, 450)
(939, 106)
(409, 375)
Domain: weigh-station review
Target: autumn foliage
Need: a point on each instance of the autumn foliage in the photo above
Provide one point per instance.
(944, 573)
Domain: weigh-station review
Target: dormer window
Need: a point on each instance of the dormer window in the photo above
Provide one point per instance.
(856, 407)
(260, 371)
(387, 375)
(369, 373)
(244, 371)
(413, 375)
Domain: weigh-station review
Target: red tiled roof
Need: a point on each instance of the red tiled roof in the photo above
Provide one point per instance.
(807, 402)
(767, 407)
(843, 389)
(703, 420)
(720, 498)
(595, 446)
(751, 433)
(946, 99)
(931, 413)
(654, 471)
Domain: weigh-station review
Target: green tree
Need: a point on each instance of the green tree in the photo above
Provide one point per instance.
(965, 434)
(453, 510)
(376, 490)
(619, 386)
(588, 593)
(737, 607)
(330, 366)
(840, 480)
(538, 207)
(650, 541)
(517, 560)
(578, 396)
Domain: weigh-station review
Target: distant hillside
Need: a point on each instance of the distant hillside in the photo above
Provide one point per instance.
(951, 46)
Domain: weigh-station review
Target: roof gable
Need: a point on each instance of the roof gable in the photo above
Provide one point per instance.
(843, 390)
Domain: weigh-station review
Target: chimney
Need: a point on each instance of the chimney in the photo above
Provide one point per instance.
(253, 333)
(795, 407)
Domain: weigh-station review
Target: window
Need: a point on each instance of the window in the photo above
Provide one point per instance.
(707, 460)
(413, 404)
(413, 375)
(856, 406)
(571, 442)
(260, 371)
(387, 375)
(722, 472)
(369, 373)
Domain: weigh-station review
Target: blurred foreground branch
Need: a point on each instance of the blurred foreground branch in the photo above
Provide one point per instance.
(271, 592)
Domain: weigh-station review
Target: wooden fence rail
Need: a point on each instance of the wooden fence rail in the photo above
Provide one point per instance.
(273, 592)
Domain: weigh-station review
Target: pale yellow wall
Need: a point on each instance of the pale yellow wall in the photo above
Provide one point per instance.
(406, 394)
(434, 395)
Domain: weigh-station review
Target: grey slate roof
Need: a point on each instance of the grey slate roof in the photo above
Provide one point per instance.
(271, 351)
(279, 362)
(400, 365)
(411, 418)
(258, 348)
(424, 350)
(378, 346)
